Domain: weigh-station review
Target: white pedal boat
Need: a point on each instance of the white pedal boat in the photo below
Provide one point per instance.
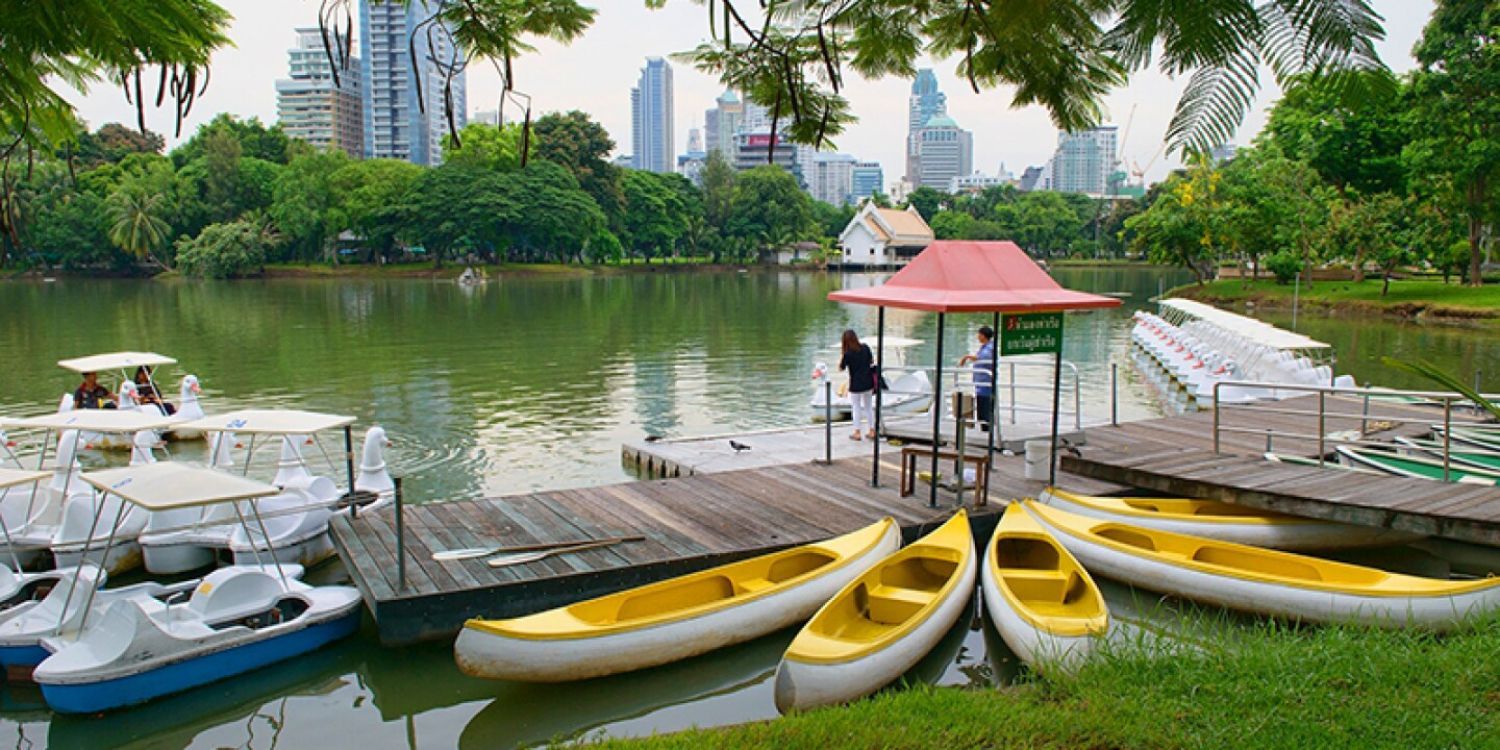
(882, 623)
(122, 366)
(295, 521)
(1224, 521)
(25, 630)
(674, 619)
(1040, 600)
(910, 393)
(237, 619)
(1263, 581)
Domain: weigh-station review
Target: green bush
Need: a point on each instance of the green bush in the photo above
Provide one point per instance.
(224, 251)
(1285, 265)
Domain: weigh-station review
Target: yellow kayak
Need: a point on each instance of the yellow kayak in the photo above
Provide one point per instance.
(673, 619)
(882, 623)
(1265, 581)
(1041, 601)
(1224, 521)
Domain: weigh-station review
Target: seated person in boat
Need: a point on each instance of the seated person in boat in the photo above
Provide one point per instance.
(145, 391)
(91, 395)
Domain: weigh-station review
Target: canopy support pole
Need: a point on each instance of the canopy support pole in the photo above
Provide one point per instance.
(937, 414)
(349, 458)
(879, 360)
(1056, 402)
(989, 419)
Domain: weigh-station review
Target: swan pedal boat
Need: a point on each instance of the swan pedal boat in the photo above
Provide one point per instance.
(236, 619)
(882, 623)
(1224, 521)
(673, 619)
(296, 520)
(1264, 581)
(1041, 601)
(123, 364)
(1416, 467)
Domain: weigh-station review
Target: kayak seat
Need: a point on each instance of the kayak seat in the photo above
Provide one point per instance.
(1040, 586)
(1126, 536)
(922, 572)
(893, 604)
(751, 585)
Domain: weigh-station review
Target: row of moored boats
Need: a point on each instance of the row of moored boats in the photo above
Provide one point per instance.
(872, 609)
(67, 531)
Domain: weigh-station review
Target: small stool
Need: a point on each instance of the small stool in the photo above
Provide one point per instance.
(910, 454)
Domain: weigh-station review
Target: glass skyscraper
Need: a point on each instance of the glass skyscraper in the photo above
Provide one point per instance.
(651, 118)
(396, 127)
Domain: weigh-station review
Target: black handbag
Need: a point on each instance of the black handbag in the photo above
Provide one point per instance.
(880, 378)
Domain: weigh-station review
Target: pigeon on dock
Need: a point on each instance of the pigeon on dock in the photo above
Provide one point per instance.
(738, 446)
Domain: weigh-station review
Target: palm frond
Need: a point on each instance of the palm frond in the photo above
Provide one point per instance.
(1214, 104)
(1443, 378)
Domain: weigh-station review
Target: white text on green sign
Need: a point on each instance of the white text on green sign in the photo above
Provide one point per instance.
(1032, 333)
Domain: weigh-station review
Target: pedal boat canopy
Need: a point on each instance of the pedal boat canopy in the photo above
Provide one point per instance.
(96, 420)
(269, 422)
(115, 361)
(167, 485)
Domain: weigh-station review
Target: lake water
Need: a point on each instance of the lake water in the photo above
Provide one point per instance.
(523, 384)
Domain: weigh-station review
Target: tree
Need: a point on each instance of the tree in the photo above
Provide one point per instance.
(485, 146)
(1455, 114)
(770, 210)
(254, 139)
(224, 251)
(655, 216)
(575, 141)
(928, 201)
(110, 144)
(370, 194)
(1178, 228)
(304, 203)
(718, 197)
(1063, 55)
(136, 223)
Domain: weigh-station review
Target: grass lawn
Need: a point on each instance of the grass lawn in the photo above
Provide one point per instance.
(1266, 686)
(1405, 296)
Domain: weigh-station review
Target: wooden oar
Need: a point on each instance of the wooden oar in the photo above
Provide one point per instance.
(527, 557)
(471, 552)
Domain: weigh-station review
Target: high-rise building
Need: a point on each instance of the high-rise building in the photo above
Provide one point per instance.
(690, 164)
(865, 180)
(1084, 162)
(397, 124)
(751, 147)
(1031, 179)
(486, 117)
(311, 108)
(722, 122)
(830, 177)
(926, 103)
(944, 151)
(651, 117)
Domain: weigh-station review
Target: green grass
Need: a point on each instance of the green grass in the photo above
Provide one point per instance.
(1267, 686)
(1405, 297)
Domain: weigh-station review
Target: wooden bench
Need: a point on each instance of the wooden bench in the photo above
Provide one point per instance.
(911, 453)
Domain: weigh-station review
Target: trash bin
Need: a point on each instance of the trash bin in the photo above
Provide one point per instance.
(1038, 459)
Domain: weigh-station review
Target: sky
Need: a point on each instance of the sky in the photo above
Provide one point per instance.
(595, 74)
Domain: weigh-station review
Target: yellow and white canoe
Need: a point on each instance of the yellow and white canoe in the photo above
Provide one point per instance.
(882, 623)
(1224, 521)
(1041, 601)
(1266, 581)
(673, 619)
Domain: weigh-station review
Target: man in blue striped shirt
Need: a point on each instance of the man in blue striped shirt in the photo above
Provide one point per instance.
(984, 378)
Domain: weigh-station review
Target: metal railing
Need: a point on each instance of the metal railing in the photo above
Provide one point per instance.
(1330, 398)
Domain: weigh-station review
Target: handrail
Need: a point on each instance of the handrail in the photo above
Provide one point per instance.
(1366, 395)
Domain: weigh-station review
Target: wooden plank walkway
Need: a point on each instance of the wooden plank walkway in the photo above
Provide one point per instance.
(690, 523)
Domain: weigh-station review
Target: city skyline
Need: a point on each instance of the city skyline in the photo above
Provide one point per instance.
(596, 73)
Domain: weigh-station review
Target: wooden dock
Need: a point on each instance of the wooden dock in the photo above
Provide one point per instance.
(690, 523)
(723, 513)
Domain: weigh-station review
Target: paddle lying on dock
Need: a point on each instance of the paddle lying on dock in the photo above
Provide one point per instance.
(472, 552)
(527, 557)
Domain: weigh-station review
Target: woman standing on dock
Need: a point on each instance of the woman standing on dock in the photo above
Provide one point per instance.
(860, 363)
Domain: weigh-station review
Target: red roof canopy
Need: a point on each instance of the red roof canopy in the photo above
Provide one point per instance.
(963, 276)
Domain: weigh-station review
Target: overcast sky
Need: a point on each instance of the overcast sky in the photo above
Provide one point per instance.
(596, 74)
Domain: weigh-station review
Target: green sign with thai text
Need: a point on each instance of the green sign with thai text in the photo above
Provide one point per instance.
(1031, 333)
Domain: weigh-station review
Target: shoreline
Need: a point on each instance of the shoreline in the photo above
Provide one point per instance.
(1409, 301)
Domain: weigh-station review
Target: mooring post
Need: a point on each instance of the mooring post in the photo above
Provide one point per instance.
(1114, 394)
(1447, 434)
(1322, 425)
(348, 464)
(400, 538)
(880, 362)
(937, 412)
(828, 421)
